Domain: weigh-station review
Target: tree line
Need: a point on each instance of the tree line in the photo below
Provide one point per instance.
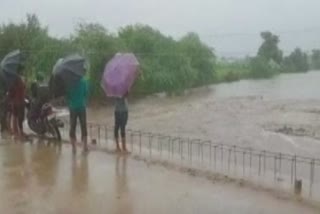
(270, 59)
(167, 64)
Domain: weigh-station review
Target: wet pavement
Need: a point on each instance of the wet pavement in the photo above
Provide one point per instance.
(36, 178)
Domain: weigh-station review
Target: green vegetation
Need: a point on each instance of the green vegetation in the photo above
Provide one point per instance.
(232, 71)
(315, 59)
(167, 64)
(270, 60)
(297, 61)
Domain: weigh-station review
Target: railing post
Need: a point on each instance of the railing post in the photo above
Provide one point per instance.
(191, 150)
(275, 168)
(259, 171)
(150, 144)
(221, 146)
(229, 158)
(140, 143)
(160, 144)
(210, 155)
(181, 148)
(292, 168)
(131, 141)
(202, 153)
(90, 130)
(235, 158)
(244, 162)
(280, 163)
(312, 166)
(106, 134)
(264, 162)
(295, 167)
(250, 159)
(215, 156)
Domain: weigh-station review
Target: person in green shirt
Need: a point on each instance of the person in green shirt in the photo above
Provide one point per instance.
(77, 102)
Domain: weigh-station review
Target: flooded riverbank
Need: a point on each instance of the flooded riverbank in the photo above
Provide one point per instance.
(280, 114)
(287, 126)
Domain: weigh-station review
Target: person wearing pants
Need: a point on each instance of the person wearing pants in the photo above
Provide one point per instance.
(3, 113)
(16, 96)
(77, 101)
(121, 118)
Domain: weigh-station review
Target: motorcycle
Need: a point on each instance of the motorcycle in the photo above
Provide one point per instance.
(42, 119)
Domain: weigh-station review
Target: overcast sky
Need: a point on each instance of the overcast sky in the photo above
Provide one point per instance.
(230, 26)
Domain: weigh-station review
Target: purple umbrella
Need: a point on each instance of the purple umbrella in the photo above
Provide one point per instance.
(119, 74)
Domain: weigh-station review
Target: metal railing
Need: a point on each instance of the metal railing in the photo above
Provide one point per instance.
(271, 169)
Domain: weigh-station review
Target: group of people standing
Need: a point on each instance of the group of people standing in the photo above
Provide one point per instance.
(13, 112)
(68, 79)
(76, 98)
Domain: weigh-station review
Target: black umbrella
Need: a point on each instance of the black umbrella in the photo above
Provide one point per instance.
(3, 84)
(67, 73)
(11, 65)
(70, 69)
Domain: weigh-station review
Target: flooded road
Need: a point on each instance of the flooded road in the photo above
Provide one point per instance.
(35, 178)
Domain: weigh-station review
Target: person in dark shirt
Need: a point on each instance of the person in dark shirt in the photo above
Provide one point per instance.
(16, 96)
(121, 118)
(3, 104)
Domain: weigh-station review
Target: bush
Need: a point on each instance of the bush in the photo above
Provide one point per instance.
(262, 68)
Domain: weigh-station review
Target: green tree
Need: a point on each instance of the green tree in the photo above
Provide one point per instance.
(260, 67)
(33, 39)
(201, 57)
(164, 66)
(167, 65)
(269, 48)
(297, 61)
(99, 46)
(315, 58)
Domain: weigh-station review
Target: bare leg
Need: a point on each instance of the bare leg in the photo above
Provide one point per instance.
(85, 144)
(9, 123)
(84, 131)
(15, 125)
(118, 145)
(73, 144)
(124, 146)
(72, 134)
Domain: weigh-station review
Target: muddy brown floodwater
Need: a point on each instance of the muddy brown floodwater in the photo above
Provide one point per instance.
(281, 125)
(280, 114)
(35, 178)
(267, 115)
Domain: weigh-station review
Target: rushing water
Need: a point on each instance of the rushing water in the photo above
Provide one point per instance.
(285, 86)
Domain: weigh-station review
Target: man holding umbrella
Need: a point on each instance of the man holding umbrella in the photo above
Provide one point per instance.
(68, 80)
